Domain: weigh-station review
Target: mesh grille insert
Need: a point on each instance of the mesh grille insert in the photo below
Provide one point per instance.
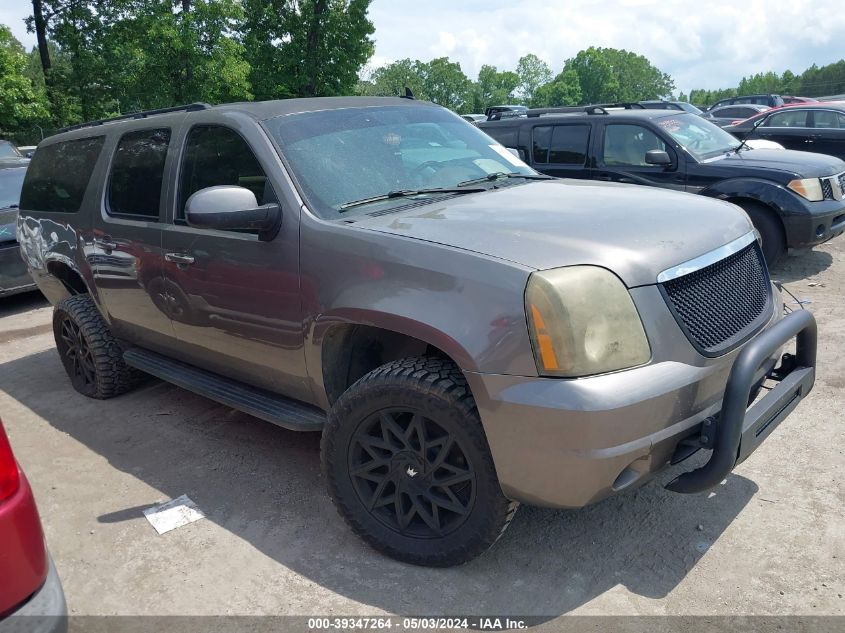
(719, 305)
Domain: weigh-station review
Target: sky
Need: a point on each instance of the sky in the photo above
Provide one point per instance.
(701, 44)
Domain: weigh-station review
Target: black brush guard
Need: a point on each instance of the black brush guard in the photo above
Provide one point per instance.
(741, 429)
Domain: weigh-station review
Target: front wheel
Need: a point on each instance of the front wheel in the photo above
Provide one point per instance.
(770, 229)
(408, 465)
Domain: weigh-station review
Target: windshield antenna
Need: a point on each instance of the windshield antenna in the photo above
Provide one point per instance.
(408, 94)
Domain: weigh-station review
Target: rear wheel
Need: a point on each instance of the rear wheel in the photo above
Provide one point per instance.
(771, 231)
(91, 355)
(408, 465)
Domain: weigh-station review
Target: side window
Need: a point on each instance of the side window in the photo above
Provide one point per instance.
(541, 140)
(58, 175)
(569, 144)
(788, 118)
(627, 145)
(216, 155)
(828, 119)
(137, 173)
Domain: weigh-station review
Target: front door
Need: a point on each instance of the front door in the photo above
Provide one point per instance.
(829, 132)
(125, 256)
(790, 128)
(621, 158)
(235, 300)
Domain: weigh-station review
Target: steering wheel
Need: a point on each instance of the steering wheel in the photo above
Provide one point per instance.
(433, 165)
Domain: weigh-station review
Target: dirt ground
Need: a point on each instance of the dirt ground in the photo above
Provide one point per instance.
(771, 540)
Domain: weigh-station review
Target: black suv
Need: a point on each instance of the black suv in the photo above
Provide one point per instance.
(676, 150)
(773, 101)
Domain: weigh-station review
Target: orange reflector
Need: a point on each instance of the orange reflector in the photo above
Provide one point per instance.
(544, 341)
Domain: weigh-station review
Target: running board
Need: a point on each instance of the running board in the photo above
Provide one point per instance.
(263, 404)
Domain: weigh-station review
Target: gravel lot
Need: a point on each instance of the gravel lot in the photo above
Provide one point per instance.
(771, 540)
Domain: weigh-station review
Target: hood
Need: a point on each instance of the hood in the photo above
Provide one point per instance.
(637, 232)
(789, 162)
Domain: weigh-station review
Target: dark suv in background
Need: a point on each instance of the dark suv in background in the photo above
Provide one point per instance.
(681, 151)
(773, 101)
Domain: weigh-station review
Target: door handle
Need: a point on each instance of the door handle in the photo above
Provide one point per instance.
(105, 243)
(179, 258)
(605, 178)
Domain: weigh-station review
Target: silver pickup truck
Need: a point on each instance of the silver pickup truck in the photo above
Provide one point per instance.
(466, 333)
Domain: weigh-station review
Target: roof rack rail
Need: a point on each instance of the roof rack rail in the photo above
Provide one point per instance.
(191, 107)
(590, 109)
(625, 105)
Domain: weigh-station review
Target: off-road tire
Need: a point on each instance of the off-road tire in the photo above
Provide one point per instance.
(771, 231)
(105, 374)
(433, 389)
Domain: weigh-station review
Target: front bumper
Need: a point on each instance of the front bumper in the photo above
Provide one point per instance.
(817, 222)
(44, 612)
(569, 443)
(14, 276)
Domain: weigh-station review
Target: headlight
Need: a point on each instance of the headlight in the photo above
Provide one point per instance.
(810, 188)
(582, 321)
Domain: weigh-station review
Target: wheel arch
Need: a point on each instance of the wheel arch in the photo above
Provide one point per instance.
(345, 350)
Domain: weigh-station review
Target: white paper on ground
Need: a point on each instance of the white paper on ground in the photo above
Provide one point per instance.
(173, 514)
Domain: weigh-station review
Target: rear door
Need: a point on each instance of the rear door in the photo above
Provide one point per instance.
(235, 300)
(789, 127)
(621, 157)
(829, 132)
(561, 150)
(126, 255)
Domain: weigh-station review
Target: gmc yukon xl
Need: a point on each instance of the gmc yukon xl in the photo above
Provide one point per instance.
(466, 334)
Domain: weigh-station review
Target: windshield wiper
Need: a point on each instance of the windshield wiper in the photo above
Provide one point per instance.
(503, 174)
(405, 193)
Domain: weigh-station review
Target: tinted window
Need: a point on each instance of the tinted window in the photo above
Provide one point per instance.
(216, 155)
(507, 136)
(627, 144)
(788, 118)
(569, 144)
(137, 173)
(58, 175)
(11, 181)
(542, 139)
(828, 119)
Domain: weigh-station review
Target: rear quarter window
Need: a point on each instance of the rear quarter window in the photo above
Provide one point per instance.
(59, 174)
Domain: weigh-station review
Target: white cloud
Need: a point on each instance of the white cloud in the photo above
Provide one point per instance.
(701, 44)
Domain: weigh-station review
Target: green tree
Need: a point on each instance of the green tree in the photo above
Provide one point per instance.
(444, 83)
(494, 87)
(611, 75)
(533, 72)
(306, 47)
(563, 90)
(21, 103)
(392, 79)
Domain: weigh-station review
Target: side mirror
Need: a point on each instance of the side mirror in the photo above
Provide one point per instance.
(658, 157)
(229, 207)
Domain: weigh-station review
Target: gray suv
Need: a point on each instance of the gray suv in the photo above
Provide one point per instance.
(466, 333)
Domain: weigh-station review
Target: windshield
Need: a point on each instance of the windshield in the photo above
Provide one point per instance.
(689, 108)
(11, 181)
(698, 136)
(7, 150)
(351, 154)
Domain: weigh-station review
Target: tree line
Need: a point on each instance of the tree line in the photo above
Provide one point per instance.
(593, 75)
(98, 58)
(816, 81)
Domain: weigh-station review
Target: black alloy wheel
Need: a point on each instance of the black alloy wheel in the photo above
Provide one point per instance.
(411, 473)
